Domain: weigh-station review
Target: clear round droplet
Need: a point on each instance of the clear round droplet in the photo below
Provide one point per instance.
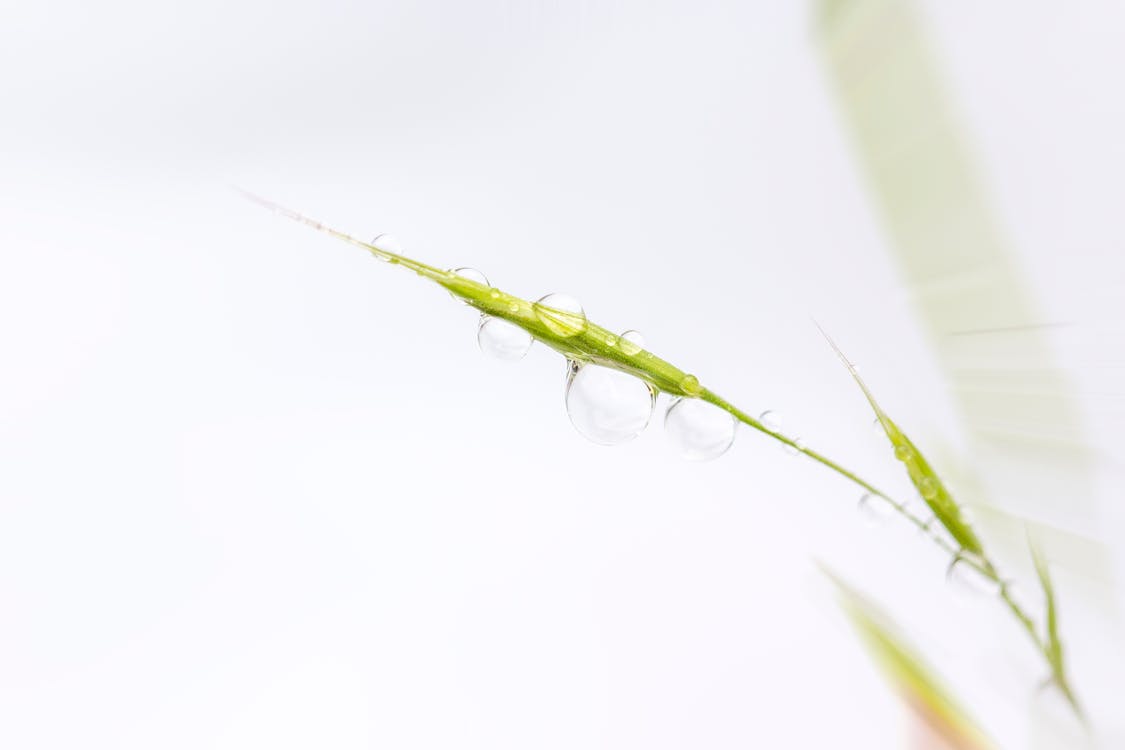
(387, 243)
(796, 448)
(968, 578)
(699, 431)
(606, 406)
(771, 420)
(928, 488)
(874, 508)
(632, 342)
(561, 314)
(502, 340)
(690, 385)
(903, 452)
(471, 274)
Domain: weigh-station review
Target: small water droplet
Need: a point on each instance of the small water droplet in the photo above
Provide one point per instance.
(690, 385)
(471, 274)
(966, 576)
(796, 448)
(903, 452)
(606, 406)
(387, 243)
(874, 508)
(494, 293)
(928, 488)
(561, 314)
(505, 341)
(513, 307)
(699, 431)
(632, 342)
(771, 420)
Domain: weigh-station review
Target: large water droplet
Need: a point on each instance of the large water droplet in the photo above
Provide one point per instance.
(387, 243)
(607, 406)
(503, 340)
(632, 342)
(698, 430)
(471, 274)
(561, 314)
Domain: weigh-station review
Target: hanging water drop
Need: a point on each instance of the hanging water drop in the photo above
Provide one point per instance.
(632, 342)
(502, 340)
(699, 431)
(903, 452)
(561, 314)
(606, 406)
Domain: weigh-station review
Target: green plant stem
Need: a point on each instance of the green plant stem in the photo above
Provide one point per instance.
(578, 339)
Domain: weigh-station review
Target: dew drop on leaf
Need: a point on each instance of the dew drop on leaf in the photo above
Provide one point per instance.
(698, 430)
(632, 342)
(502, 340)
(903, 452)
(928, 488)
(387, 243)
(561, 314)
(606, 406)
(690, 385)
(471, 274)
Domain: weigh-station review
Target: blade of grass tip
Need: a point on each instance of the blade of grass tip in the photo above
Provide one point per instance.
(911, 676)
(1053, 648)
(922, 476)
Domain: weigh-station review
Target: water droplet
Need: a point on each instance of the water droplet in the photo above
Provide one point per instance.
(903, 452)
(966, 576)
(494, 293)
(771, 420)
(607, 406)
(471, 274)
(513, 307)
(796, 448)
(690, 385)
(928, 488)
(562, 314)
(632, 342)
(699, 430)
(387, 243)
(503, 340)
(874, 508)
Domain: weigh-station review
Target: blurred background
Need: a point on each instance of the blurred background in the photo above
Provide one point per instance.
(259, 491)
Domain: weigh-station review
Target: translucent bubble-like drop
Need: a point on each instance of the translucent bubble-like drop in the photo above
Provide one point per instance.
(387, 243)
(607, 406)
(471, 274)
(502, 340)
(928, 488)
(771, 420)
(874, 508)
(965, 576)
(561, 314)
(699, 431)
(632, 342)
(691, 385)
(903, 452)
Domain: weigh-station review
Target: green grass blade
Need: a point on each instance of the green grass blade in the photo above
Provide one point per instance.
(911, 676)
(1053, 648)
(922, 475)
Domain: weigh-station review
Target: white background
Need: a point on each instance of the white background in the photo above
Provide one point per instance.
(260, 491)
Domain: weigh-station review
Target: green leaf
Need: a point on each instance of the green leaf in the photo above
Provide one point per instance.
(911, 675)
